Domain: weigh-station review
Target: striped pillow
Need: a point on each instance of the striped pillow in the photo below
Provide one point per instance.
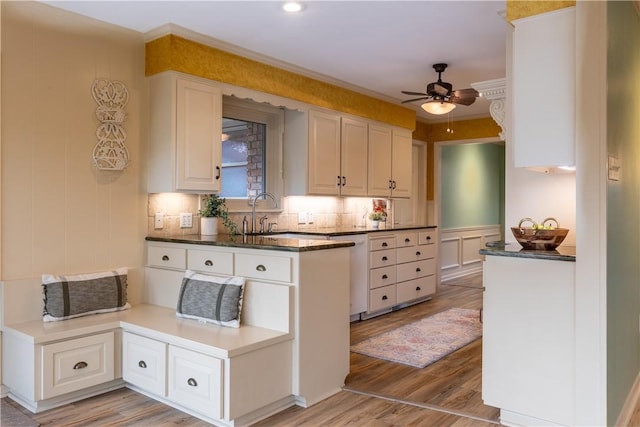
(67, 297)
(211, 299)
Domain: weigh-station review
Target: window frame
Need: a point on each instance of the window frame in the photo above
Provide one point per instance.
(273, 118)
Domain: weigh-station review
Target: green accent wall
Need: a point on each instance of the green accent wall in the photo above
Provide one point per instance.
(623, 206)
(472, 185)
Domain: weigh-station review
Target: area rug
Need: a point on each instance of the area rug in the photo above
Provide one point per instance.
(425, 341)
(11, 417)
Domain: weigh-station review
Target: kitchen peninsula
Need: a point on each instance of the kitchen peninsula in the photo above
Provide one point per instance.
(528, 348)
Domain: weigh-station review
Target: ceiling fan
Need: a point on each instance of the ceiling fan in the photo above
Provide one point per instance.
(440, 96)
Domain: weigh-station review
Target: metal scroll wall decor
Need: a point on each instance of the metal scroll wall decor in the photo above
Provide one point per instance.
(110, 153)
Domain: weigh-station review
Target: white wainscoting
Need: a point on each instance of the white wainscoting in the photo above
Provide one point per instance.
(459, 249)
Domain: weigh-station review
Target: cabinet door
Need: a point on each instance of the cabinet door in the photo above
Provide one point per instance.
(354, 148)
(544, 127)
(401, 164)
(144, 363)
(379, 167)
(324, 153)
(198, 136)
(195, 381)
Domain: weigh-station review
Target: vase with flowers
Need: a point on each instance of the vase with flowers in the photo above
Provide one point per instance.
(212, 208)
(376, 217)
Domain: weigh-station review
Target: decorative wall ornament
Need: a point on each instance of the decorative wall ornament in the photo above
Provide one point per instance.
(495, 91)
(112, 96)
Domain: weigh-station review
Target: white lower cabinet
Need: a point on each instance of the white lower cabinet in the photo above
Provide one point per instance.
(195, 381)
(144, 363)
(76, 364)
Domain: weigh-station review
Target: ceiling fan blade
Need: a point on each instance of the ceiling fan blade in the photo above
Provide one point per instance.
(415, 99)
(414, 93)
(464, 96)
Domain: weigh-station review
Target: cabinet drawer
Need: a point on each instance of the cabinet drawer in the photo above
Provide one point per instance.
(210, 261)
(76, 364)
(161, 256)
(388, 242)
(381, 298)
(382, 276)
(195, 381)
(406, 239)
(427, 237)
(415, 253)
(383, 258)
(264, 267)
(415, 289)
(144, 363)
(413, 270)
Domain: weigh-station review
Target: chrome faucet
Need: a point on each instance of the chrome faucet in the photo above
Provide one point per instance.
(253, 208)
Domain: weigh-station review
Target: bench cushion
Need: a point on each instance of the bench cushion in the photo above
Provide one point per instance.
(211, 299)
(67, 297)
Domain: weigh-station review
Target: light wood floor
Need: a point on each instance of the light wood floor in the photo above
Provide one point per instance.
(377, 393)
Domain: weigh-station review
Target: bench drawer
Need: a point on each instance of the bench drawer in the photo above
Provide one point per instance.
(383, 258)
(416, 253)
(162, 256)
(77, 364)
(381, 298)
(382, 276)
(264, 267)
(414, 270)
(210, 261)
(415, 289)
(144, 363)
(195, 381)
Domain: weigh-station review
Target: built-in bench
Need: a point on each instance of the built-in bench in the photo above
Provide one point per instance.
(226, 376)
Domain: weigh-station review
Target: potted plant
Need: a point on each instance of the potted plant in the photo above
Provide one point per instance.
(376, 217)
(214, 207)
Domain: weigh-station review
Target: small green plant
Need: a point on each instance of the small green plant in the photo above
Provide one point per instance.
(214, 206)
(376, 216)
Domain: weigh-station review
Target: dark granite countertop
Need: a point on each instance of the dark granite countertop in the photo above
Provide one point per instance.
(346, 231)
(514, 250)
(254, 242)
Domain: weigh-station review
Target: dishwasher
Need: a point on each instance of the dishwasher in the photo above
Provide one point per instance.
(359, 274)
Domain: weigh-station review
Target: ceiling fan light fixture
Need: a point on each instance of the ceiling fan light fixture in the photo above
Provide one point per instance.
(438, 107)
(292, 6)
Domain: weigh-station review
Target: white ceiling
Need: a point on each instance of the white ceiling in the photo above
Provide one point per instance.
(376, 47)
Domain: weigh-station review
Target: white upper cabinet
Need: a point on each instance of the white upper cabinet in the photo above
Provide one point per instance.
(544, 71)
(337, 155)
(185, 147)
(389, 162)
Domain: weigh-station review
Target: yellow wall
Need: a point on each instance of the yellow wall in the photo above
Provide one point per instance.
(60, 215)
(175, 53)
(517, 9)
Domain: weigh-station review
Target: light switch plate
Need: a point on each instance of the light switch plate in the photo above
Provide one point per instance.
(158, 221)
(302, 217)
(186, 220)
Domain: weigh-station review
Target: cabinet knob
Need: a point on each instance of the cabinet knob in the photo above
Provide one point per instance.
(418, 253)
(165, 257)
(384, 297)
(418, 270)
(390, 184)
(208, 263)
(407, 240)
(384, 276)
(192, 382)
(217, 172)
(142, 364)
(393, 185)
(384, 244)
(344, 181)
(80, 365)
(418, 288)
(338, 180)
(384, 258)
(428, 237)
(261, 267)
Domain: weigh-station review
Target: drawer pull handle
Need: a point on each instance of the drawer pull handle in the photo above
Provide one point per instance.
(192, 382)
(261, 267)
(80, 365)
(384, 297)
(418, 288)
(142, 364)
(208, 263)
(428, 237)
(418, 253)
(407, 240)
(384, 258)
(384, 244)
(384, 276)
(418, 270)
(165, 257)
(217, 172)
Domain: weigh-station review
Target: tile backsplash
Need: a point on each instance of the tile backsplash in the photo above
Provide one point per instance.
(325, 212)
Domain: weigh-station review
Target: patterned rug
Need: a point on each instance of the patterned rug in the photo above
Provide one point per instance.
(11, 417)
(425, 341)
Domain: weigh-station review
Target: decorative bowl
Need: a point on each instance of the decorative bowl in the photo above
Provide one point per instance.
(537, 237)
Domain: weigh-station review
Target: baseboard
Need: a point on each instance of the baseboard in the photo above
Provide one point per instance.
(629, 405)
(460, 273)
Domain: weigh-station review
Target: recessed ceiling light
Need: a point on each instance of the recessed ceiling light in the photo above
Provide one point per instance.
(292, 6)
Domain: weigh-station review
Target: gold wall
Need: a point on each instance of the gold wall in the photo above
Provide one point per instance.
(517, 9)
(175, 53)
